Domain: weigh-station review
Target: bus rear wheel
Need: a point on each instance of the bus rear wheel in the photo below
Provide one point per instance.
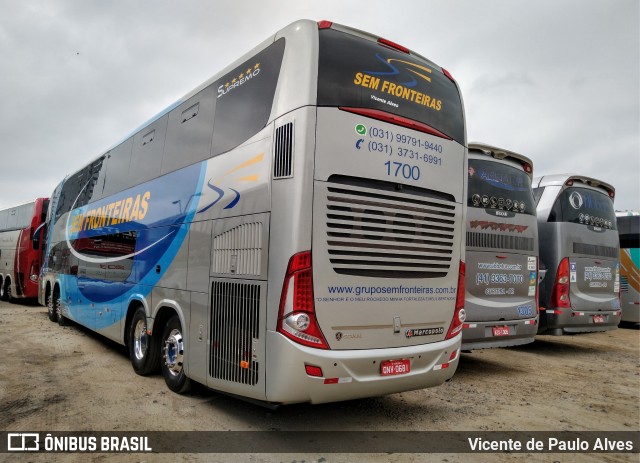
(143, 349)
(57, 307)
(173, 356)
(51, 311)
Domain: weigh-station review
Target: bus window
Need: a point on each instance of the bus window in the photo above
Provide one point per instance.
(242, 109)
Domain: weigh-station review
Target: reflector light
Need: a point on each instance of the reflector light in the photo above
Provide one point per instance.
(313, 371)
(397, 120)
(393, 45)
(324, 24)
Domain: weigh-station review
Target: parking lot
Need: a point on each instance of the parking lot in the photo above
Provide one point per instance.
(69, 379)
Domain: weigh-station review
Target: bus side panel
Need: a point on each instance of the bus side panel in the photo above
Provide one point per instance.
(8, 245)
(630, 284)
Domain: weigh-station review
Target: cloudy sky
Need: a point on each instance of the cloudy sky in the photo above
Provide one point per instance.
(555, 80)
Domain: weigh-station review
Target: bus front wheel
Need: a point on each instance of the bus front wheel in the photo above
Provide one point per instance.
(173, 356)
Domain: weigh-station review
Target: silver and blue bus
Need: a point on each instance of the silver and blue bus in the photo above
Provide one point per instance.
(290, 231)
(501, 301)
(629, 232)
(579, 248)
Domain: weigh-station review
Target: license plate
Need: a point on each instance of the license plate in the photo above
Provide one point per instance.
(395, 367)
(500, 331)
(598, 319)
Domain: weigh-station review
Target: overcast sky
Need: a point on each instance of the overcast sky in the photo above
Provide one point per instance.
(557, 81)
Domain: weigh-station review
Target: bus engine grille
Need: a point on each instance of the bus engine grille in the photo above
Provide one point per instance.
(383, 229)
(500, 241)
(234, 330)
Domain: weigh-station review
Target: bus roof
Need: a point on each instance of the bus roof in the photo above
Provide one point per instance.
(562, 179)
(501, 153)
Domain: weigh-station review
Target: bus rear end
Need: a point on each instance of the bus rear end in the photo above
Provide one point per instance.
(579, 246)
(376, 305)
(502, 250)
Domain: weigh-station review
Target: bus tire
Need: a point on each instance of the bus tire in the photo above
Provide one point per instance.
(173, 355)
(144, 351)
(51, 311)
(57, 307)
(5, 291)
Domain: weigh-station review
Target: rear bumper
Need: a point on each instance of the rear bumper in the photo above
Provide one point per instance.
(559, 321)
(352, 374)
(479, 335)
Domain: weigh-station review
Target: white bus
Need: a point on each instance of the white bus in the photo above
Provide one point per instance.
(290, 231)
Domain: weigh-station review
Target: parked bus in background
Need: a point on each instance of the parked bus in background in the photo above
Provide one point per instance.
(501, 300)
(20, 249)
(290, 231)
(579, 248)
(629, 232)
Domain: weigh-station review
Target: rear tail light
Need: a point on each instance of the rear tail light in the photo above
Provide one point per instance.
(297, 315)
(34, 270)
(324, 24)
(560, 293)
(527, 168)
(459, 314)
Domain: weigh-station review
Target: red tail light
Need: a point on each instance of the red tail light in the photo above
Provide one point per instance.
(324, 24)
(393, 45)
(560, 293)
(459, 315)
(297, 315)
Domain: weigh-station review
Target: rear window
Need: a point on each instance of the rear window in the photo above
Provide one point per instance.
(493, 185)
(355, 72)
(584, 206)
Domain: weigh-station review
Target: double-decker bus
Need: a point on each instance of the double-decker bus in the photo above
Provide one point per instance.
(20, 249)
(502, 250)
(580, 249)
(290, 231)
(629, 232)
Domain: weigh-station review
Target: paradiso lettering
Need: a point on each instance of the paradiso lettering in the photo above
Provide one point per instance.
(124, 210)
(242, 79)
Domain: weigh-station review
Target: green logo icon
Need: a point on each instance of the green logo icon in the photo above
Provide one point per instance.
(361, 129)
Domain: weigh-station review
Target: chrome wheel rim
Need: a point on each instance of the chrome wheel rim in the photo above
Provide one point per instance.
(173, 352)
(140, 340)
